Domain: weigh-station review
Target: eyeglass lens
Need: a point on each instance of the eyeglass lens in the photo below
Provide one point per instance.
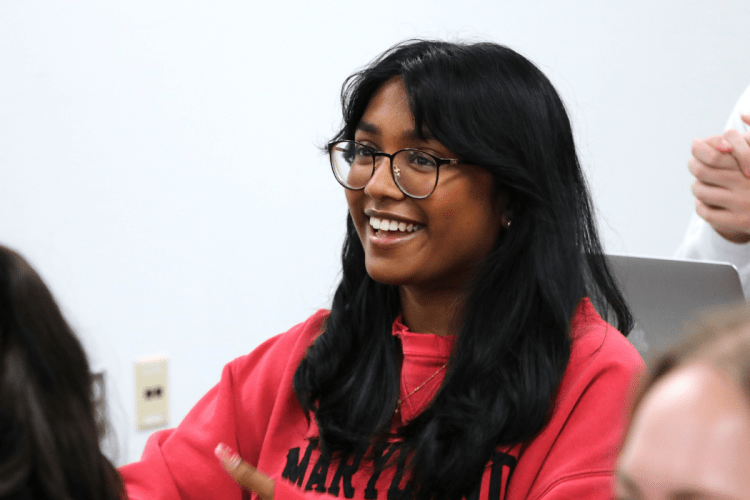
(415, 172)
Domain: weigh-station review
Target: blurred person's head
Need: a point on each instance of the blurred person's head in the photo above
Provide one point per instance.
(49, 436)
(689, 436)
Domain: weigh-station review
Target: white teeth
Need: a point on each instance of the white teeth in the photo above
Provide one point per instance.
(392, 225)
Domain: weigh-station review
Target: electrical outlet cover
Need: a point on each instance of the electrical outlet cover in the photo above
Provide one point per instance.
(151, 393)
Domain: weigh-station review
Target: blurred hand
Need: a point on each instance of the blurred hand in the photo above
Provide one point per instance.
(721, 166)
(245, 474)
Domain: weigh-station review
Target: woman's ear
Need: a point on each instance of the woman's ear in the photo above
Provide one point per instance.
(505, 208)
(507, 220)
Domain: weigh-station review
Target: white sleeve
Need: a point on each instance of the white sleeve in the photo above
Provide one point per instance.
(701, 242)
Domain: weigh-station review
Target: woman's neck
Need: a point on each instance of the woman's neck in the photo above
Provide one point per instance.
(431, 311)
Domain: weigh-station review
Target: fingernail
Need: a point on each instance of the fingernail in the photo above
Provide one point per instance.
(227, 456)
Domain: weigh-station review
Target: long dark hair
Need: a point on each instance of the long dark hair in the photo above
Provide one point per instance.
(495, 109)
(49, 436)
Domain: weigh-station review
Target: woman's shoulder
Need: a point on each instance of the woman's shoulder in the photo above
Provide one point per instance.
(576, 450)
(596, 341)
(287, 348)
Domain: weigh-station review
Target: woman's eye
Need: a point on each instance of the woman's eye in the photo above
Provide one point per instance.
(423, 160)
(362, 151)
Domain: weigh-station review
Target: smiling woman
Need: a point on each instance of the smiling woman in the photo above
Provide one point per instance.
(461, 356)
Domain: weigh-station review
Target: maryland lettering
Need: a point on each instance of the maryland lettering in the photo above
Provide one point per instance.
(314, 471)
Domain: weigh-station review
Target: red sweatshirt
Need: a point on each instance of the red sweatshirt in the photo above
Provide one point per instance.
(254, 410)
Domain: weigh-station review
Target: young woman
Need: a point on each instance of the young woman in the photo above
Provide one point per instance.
(689, 435)
(49, 435)
(461, 356)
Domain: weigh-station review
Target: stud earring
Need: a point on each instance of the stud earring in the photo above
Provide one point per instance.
(507, 224)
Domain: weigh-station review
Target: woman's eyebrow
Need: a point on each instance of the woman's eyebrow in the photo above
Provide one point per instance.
(412, 135)
(419, 135)
(368, 127)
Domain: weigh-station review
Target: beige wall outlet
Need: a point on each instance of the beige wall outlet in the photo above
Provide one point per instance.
(151, 393)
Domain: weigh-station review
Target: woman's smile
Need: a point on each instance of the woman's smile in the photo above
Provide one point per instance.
(389, 229)
(385, 225)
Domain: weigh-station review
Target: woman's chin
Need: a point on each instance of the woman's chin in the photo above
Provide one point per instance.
(386, 275)
(386, 278)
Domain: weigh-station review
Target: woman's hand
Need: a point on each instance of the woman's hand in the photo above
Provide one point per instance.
(740, 146)
(243, 473)
(721, 187)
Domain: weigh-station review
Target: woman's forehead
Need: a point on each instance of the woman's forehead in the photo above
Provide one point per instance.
(390, 105)
(423, 134)
(690, 428)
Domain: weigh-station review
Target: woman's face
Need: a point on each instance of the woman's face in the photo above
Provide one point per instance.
(689, 439)
(452, 230)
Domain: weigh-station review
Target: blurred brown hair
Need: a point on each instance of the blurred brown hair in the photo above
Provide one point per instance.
(49, 437)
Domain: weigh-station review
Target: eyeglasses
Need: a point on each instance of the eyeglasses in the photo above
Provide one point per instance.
(414, 172)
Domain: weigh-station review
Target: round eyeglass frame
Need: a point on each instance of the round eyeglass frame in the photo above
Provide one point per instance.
(438, 162)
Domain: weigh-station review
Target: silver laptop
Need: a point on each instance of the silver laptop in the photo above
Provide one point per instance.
(664, 294)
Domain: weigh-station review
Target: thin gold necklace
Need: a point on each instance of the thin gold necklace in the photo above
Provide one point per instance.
(400, 400)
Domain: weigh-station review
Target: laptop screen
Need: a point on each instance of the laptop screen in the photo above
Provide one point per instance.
(664, 294)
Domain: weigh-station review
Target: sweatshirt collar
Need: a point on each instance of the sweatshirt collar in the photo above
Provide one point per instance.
(423, 344)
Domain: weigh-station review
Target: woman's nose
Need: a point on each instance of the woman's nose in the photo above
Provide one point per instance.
(381, 184)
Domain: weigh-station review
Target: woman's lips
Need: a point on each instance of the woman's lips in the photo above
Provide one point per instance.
(388, 225)
(386, 232)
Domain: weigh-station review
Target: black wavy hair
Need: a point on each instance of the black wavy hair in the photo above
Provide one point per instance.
(495, 109)
(49, 434)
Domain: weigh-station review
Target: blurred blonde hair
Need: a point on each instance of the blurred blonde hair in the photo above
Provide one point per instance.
(719, 338)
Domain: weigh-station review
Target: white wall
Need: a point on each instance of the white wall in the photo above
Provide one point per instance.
(158, 159)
